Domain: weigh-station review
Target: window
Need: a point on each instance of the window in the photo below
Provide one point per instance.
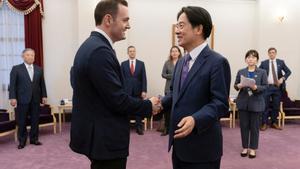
(11, 45)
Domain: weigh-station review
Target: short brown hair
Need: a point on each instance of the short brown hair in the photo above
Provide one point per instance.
(129, 47)
(272, 48)
(175, 47)
(107, 7)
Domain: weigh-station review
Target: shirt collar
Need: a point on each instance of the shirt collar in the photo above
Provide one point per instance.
(270, 60)
(105, 35)
(196, 51)
(27, 65)
(132, 59)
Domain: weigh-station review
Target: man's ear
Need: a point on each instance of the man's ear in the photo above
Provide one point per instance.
(199, 29)
(107, 19)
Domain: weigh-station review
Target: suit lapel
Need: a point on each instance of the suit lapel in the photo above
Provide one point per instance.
(137, 66)
(245, 72)
(177, 76)
(35, 72)
(127, 67)
(267, 67)
(201, 58)
(26, 72)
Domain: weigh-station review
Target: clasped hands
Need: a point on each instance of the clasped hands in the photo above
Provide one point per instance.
(156, 105)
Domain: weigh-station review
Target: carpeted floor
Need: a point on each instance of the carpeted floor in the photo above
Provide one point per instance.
(277, 150)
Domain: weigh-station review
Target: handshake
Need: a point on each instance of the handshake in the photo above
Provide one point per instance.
(156, 105)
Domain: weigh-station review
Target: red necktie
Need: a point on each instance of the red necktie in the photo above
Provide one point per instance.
(131, 68)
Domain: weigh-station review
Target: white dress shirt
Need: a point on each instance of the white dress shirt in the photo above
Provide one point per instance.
(134, 63)
(270, 76)
(30, 70)
(195, 52)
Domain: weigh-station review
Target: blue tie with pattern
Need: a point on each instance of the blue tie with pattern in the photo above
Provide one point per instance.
(185, 69)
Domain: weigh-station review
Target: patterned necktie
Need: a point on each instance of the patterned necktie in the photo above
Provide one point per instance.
(274, 74)
(185, 69)
(132, 68)
(30, 70)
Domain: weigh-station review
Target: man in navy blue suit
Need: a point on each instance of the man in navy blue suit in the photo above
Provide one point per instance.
(198, 95)
(135, 81)
(278, 73)
(100, 124)
(27, 90)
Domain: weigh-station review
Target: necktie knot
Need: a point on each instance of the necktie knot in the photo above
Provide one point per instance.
(30, 70)
(185, 68)
(188, 58)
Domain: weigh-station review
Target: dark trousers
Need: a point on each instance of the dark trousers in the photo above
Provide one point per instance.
(138, 119)
(109, 164)
(272, 100)
(167, 115)
(138, 122)
(167, 120)
(23, 111)
(249, 124)
(178, 164)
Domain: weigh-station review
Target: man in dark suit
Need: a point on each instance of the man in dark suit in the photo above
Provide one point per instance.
(135, 81)
(26, 91)
(278, 73)
(100, 124)
(198, 95)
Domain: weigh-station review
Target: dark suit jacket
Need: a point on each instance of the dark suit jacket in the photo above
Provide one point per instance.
(23, 89)
(255, 102)
(137, 83)
(204, 95)
(100, 125)
(281, 68)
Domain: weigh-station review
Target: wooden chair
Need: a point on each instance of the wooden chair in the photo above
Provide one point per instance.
(46, 119)
(289, 109)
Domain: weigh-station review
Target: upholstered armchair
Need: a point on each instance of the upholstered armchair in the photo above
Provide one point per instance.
(7, 126)
(290, 109)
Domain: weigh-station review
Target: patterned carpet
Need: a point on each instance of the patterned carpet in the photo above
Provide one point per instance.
(277, 150)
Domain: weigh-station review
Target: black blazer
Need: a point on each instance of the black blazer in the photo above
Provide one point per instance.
(137, 83)
(23, 89)
(281, 68)
(204, 95)
(255, 102)
(100, 125)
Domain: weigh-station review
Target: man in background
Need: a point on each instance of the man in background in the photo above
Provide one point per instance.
(27, 90)
(278, 73)
(135, 81)
(100, 125)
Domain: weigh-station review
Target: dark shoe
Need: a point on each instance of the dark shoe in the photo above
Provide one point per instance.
(252, 154)
(165, 133)
(139, 131)
(244, 154)
(21, 146)
(160, 130)
(37, 143)
(275, 126)
(263, 127)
